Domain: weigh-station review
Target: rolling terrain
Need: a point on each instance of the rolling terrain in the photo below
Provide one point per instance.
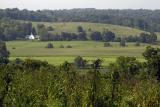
(90, 50)
(71, 27)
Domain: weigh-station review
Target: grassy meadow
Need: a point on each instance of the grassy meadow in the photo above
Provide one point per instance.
(90, 50)
(72, 28)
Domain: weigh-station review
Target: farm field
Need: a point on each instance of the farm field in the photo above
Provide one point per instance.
(90, 50)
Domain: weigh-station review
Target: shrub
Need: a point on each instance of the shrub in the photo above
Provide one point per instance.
(79, 62)
(122, 42)
(89, 29)
(108, 36)
(49, 45)
(13, 48)
(137, 44)
(96, 36)
(107, 44)
(50, 28)
(69, 46)
(17, 61)
(61, 46)
(80, 29)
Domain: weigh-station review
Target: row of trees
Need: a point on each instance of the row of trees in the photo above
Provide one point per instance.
(144, 19)
(106, 36)
(143, 37)
(125, 83)
(65, 36)
(12, 30)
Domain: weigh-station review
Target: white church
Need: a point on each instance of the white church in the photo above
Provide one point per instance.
(32, 37)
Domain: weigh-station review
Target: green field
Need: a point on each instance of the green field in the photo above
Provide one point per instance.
(82, 48)
(72, 27)
(90, 50)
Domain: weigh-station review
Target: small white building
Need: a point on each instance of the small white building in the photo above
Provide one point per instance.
(32, 37)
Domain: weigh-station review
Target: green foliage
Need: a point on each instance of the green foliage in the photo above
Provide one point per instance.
(96, 36)
(152, 55)
(128, 66)
(80, 62)
(50, 28)
(18, 30)
(42, 31)
(148, 38)
(38, 84)
(61, 46)
(68, 46)
(82, 36)
(108, 36)
(123, 42)
(49, 45)
(4, 53)
(107, 44)
(131, 18)
(34, 32)
(137, 44)
(80, 29)
(13, 30)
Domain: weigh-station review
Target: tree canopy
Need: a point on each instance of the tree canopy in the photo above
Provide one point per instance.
(4, 53)
(144, 19)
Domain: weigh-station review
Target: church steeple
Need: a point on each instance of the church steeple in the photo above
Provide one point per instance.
(31, 33)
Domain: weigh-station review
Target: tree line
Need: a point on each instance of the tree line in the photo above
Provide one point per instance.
(105, 36)
(143, 19)
(14, 30)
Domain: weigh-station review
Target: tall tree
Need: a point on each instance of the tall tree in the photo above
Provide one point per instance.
(122, 42)
(34, 31)
(4, 53)
(108, 36)
(152, 55)
(96, 36)
(80, 29)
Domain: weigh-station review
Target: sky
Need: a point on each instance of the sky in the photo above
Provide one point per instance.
(69, 4)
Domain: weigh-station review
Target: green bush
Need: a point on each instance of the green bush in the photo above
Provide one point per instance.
(49, 45)
(61, 46)
(122, 42)
(69, 46)
(137, 44)
(107, 44)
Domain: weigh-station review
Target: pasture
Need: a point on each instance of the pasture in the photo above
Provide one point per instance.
(72, 28)
(90, 50)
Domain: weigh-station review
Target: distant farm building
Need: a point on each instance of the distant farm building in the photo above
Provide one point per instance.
(32, 37)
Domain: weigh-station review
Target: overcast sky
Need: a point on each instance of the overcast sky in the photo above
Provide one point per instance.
(69, 4)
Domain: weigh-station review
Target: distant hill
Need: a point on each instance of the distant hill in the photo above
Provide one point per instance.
(72, 28)
(148, 20)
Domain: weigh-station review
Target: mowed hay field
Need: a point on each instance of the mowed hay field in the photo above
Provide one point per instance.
(90, 50)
